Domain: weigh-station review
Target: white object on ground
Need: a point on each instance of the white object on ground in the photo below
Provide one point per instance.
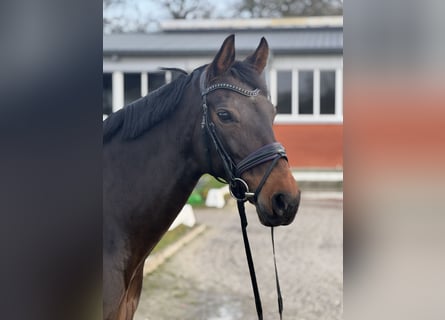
(215, 197)
(185, 216)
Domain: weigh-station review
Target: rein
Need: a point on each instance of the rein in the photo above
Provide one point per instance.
(238, 187)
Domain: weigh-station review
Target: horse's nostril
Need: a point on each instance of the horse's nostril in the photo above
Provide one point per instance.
(279, 204)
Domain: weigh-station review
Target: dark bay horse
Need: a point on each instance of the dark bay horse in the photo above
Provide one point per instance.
(156, 149)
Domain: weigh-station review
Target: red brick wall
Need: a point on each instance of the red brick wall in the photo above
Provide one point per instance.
(312, 145)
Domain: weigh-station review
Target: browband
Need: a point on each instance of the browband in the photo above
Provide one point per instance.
(226, 86)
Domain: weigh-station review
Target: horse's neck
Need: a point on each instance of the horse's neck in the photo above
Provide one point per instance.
(158, 172)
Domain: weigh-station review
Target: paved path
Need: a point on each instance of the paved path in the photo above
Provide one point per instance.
(209, 279)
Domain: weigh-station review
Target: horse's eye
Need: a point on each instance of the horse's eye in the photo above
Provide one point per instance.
(224, 116)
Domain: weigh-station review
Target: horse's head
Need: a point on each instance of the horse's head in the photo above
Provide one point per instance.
(237, 122)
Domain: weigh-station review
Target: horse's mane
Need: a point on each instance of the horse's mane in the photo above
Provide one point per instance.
(142, 114)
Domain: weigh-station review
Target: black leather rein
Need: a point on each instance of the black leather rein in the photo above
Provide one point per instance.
(238, 187)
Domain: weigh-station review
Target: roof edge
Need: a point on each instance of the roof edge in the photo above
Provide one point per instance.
(242, 24)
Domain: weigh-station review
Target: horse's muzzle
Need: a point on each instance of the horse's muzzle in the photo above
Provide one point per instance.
(284, 209)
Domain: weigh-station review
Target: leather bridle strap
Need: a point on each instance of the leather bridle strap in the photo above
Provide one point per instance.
(256, 292)
(277, 280)
(265, 153)
(238, 187)
(271, 152)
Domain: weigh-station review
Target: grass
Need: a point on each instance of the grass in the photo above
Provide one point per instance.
(171, 237)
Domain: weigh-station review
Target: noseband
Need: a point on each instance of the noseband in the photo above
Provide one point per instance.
(238, 187)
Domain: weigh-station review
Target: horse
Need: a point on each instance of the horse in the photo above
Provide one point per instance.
(216, 120)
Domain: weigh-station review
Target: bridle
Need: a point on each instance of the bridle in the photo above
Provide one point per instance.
(238, 187)
(270, 152)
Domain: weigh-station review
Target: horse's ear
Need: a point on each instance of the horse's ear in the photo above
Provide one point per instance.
(258, 59)
(224, 58)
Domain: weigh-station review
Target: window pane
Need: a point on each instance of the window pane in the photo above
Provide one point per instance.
(284, 91)
(155, 80)
(305, 92)
(107, 96)
(132, 87)
(327, 92)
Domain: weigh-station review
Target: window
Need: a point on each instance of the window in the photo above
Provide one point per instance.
(107, 96)
(305, 92)
(327, 92)
(132, 87)
(155, 80)
(284, 92)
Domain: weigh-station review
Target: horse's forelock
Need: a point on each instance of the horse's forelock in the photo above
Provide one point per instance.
(246, 73)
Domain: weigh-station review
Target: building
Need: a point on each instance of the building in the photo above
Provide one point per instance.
(304, 73)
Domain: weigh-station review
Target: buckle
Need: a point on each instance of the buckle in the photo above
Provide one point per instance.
(240, 190)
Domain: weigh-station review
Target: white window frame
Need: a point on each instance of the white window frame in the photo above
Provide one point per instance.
(144, 66)
(117, 66)
(308, 64)
(118, 85)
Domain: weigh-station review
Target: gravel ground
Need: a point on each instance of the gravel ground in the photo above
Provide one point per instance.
(209, 278)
